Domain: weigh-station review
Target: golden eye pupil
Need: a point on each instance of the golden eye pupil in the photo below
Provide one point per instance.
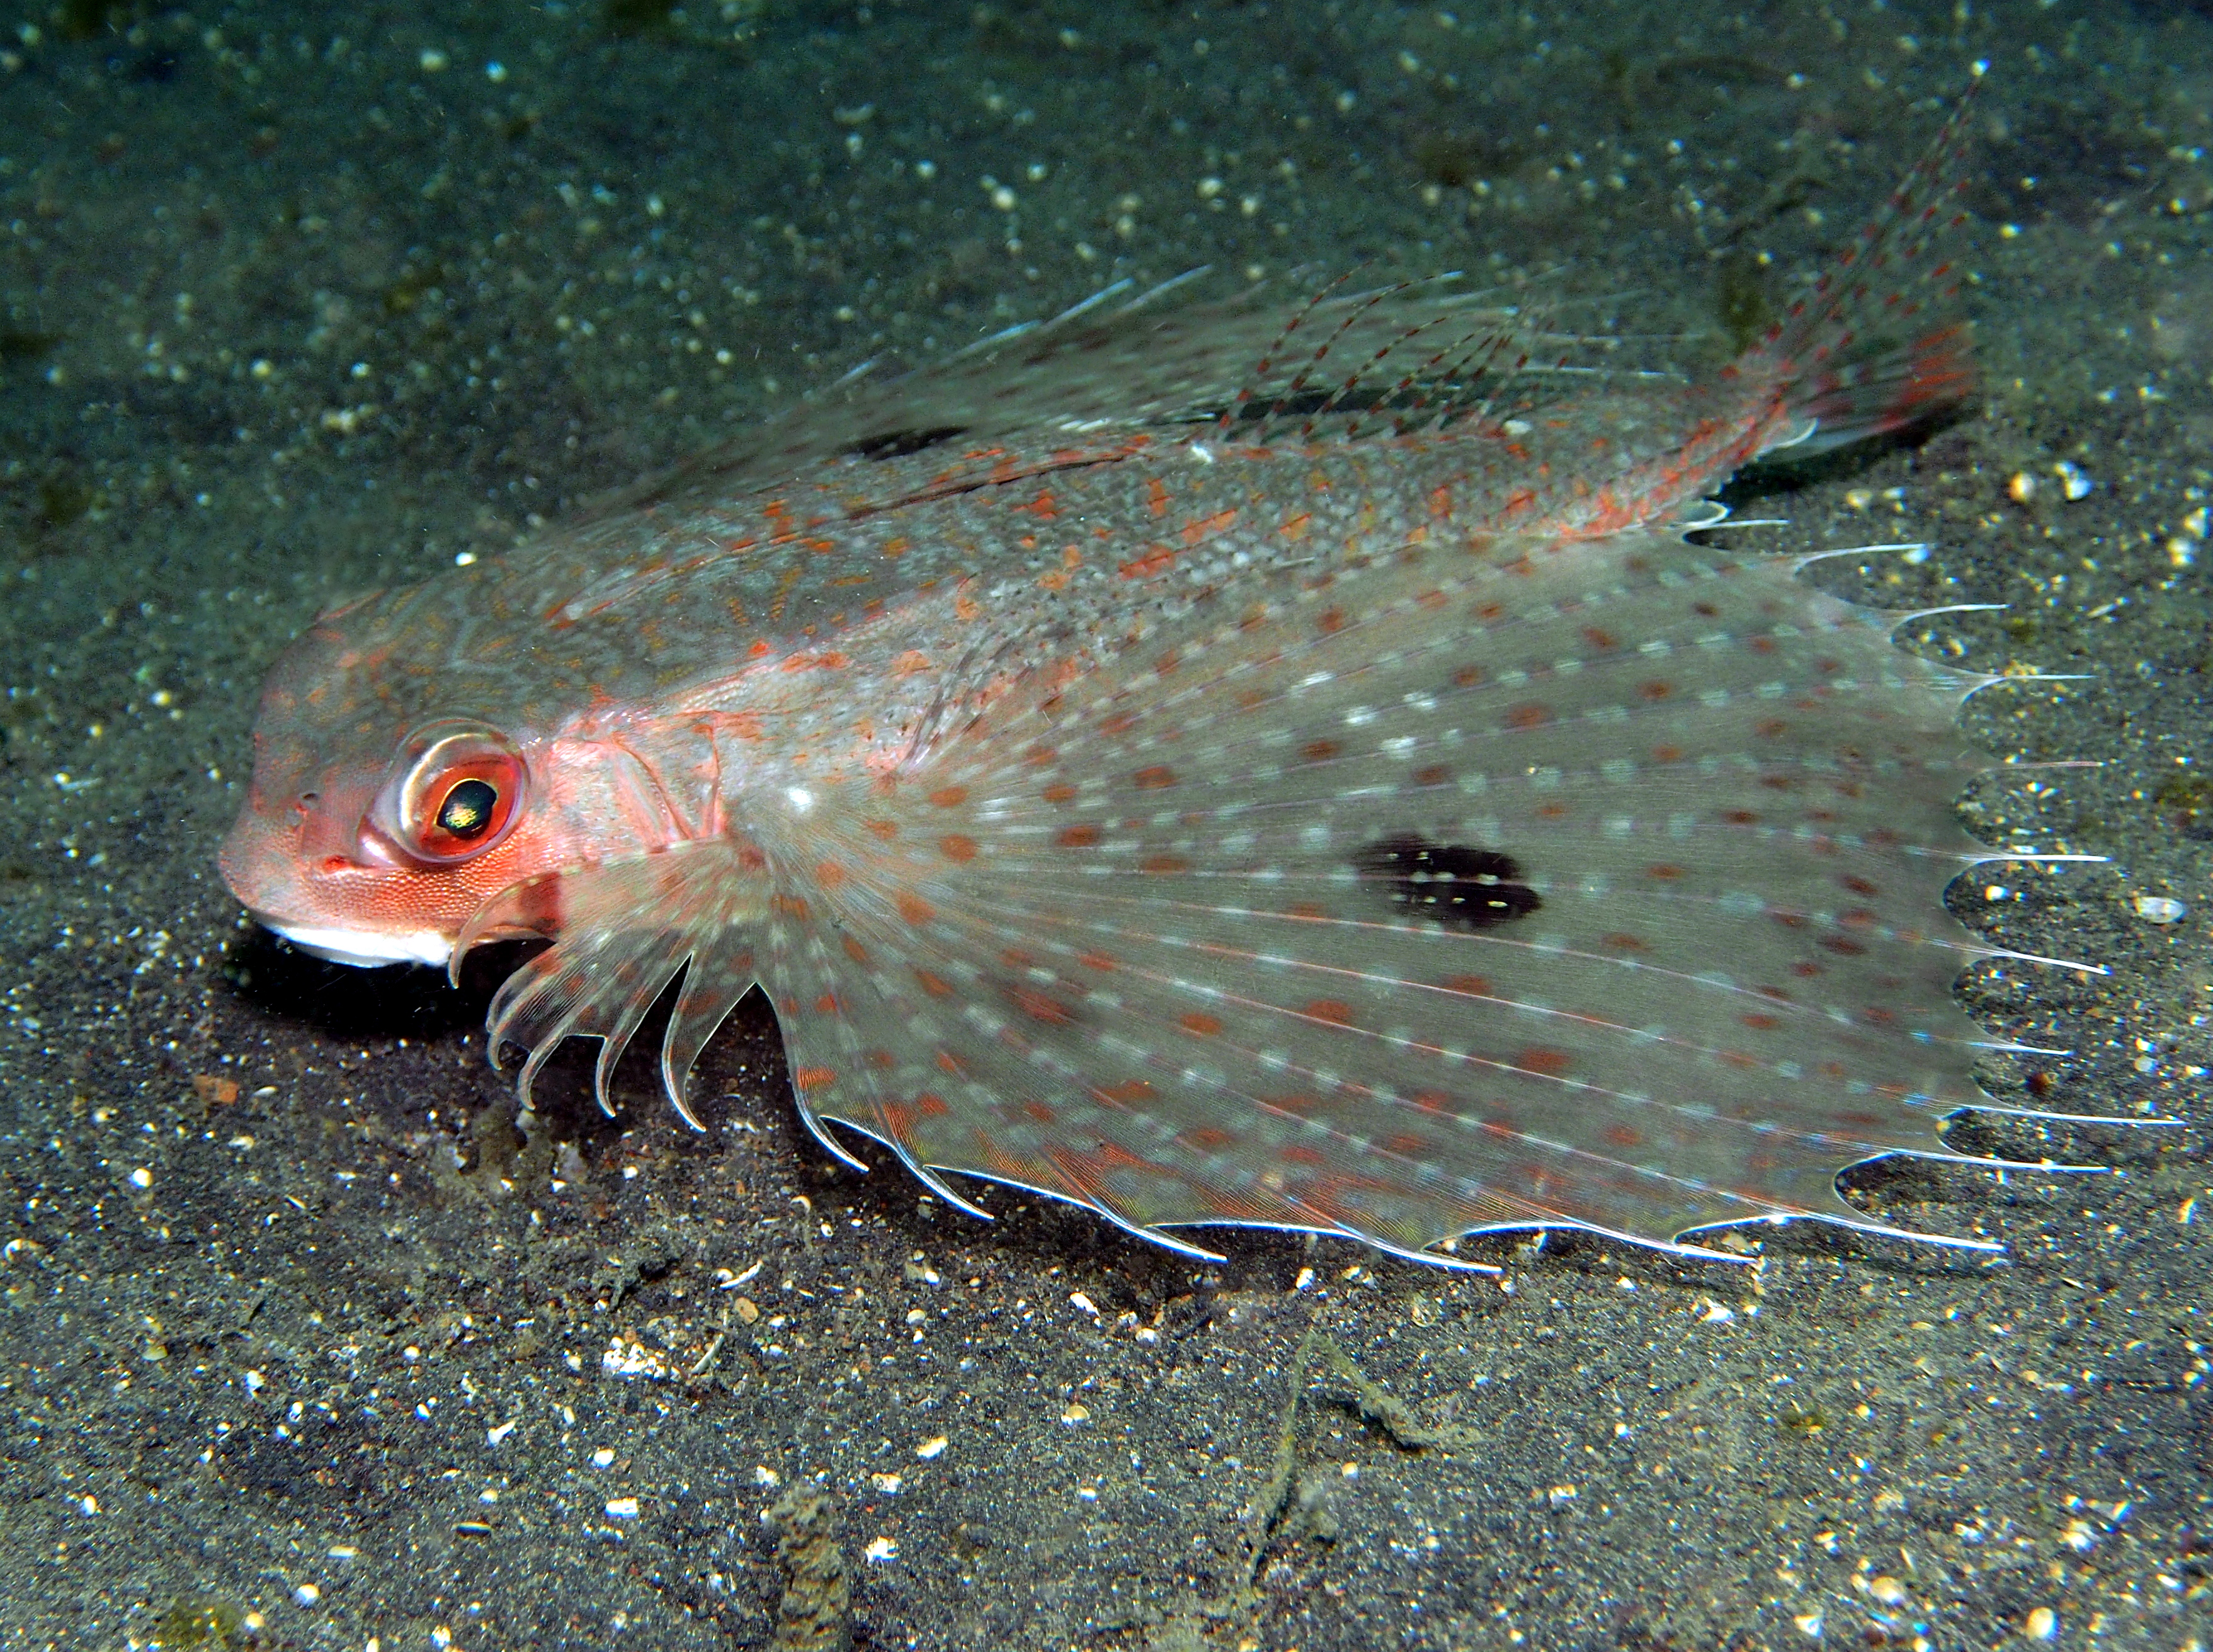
(468, 809)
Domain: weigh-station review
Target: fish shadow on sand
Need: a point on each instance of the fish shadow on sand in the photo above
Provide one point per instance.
(273, 977)
(281, 987)
(1783, 474)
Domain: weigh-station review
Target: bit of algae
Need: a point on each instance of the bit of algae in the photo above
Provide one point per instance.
(82, 19)
(1803, 1420)
(1459, 159)
(204, 1623)
(1640, 87)
(666, 21)
(1742, 301)
(25, 345)
(2187, 801)
(502, 1151)
(412, 285)
(815, 1611)
(64, 498)
(628, 19)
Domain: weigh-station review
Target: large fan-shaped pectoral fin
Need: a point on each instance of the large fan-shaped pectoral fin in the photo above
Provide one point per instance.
(1593, 887)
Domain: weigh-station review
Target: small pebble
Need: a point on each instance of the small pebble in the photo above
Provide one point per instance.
(2159, 909)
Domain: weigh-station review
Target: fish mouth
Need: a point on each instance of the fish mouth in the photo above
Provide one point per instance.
(360, 951)
(251, 848)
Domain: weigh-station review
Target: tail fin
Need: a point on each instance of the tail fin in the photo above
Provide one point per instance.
(1873, 346)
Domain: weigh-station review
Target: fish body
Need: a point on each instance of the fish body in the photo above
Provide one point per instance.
(1212, 765)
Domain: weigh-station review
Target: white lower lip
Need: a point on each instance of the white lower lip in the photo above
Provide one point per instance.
(367, 951)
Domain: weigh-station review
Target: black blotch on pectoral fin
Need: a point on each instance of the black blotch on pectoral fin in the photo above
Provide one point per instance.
(1459, 885)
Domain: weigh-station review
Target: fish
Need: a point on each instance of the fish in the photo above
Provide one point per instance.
(1313, 765)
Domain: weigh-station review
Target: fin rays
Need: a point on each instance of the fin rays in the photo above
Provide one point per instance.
(1163, 980)
(627, 928)
(1156, 984)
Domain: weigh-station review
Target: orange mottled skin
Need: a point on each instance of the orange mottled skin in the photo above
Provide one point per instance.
(1143, 765)
(812, 643)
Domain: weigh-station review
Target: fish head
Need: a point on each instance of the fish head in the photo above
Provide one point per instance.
(397, 789)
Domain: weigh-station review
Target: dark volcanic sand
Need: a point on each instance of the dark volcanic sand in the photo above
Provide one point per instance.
(303, 1348)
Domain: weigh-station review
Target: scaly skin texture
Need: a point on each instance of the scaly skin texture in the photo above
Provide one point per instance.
(673, 674)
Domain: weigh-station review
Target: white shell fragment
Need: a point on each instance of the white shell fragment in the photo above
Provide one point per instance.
(2159, 909)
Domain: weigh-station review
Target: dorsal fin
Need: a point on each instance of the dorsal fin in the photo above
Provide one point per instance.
(1157, 359)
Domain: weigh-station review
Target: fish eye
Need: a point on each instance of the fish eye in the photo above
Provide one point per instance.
(456, 791)
(470, 809)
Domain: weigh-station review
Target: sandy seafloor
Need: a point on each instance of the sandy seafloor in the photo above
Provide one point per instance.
(302, 1350)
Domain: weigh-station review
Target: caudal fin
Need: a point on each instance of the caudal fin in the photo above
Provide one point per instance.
(1875, 344)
